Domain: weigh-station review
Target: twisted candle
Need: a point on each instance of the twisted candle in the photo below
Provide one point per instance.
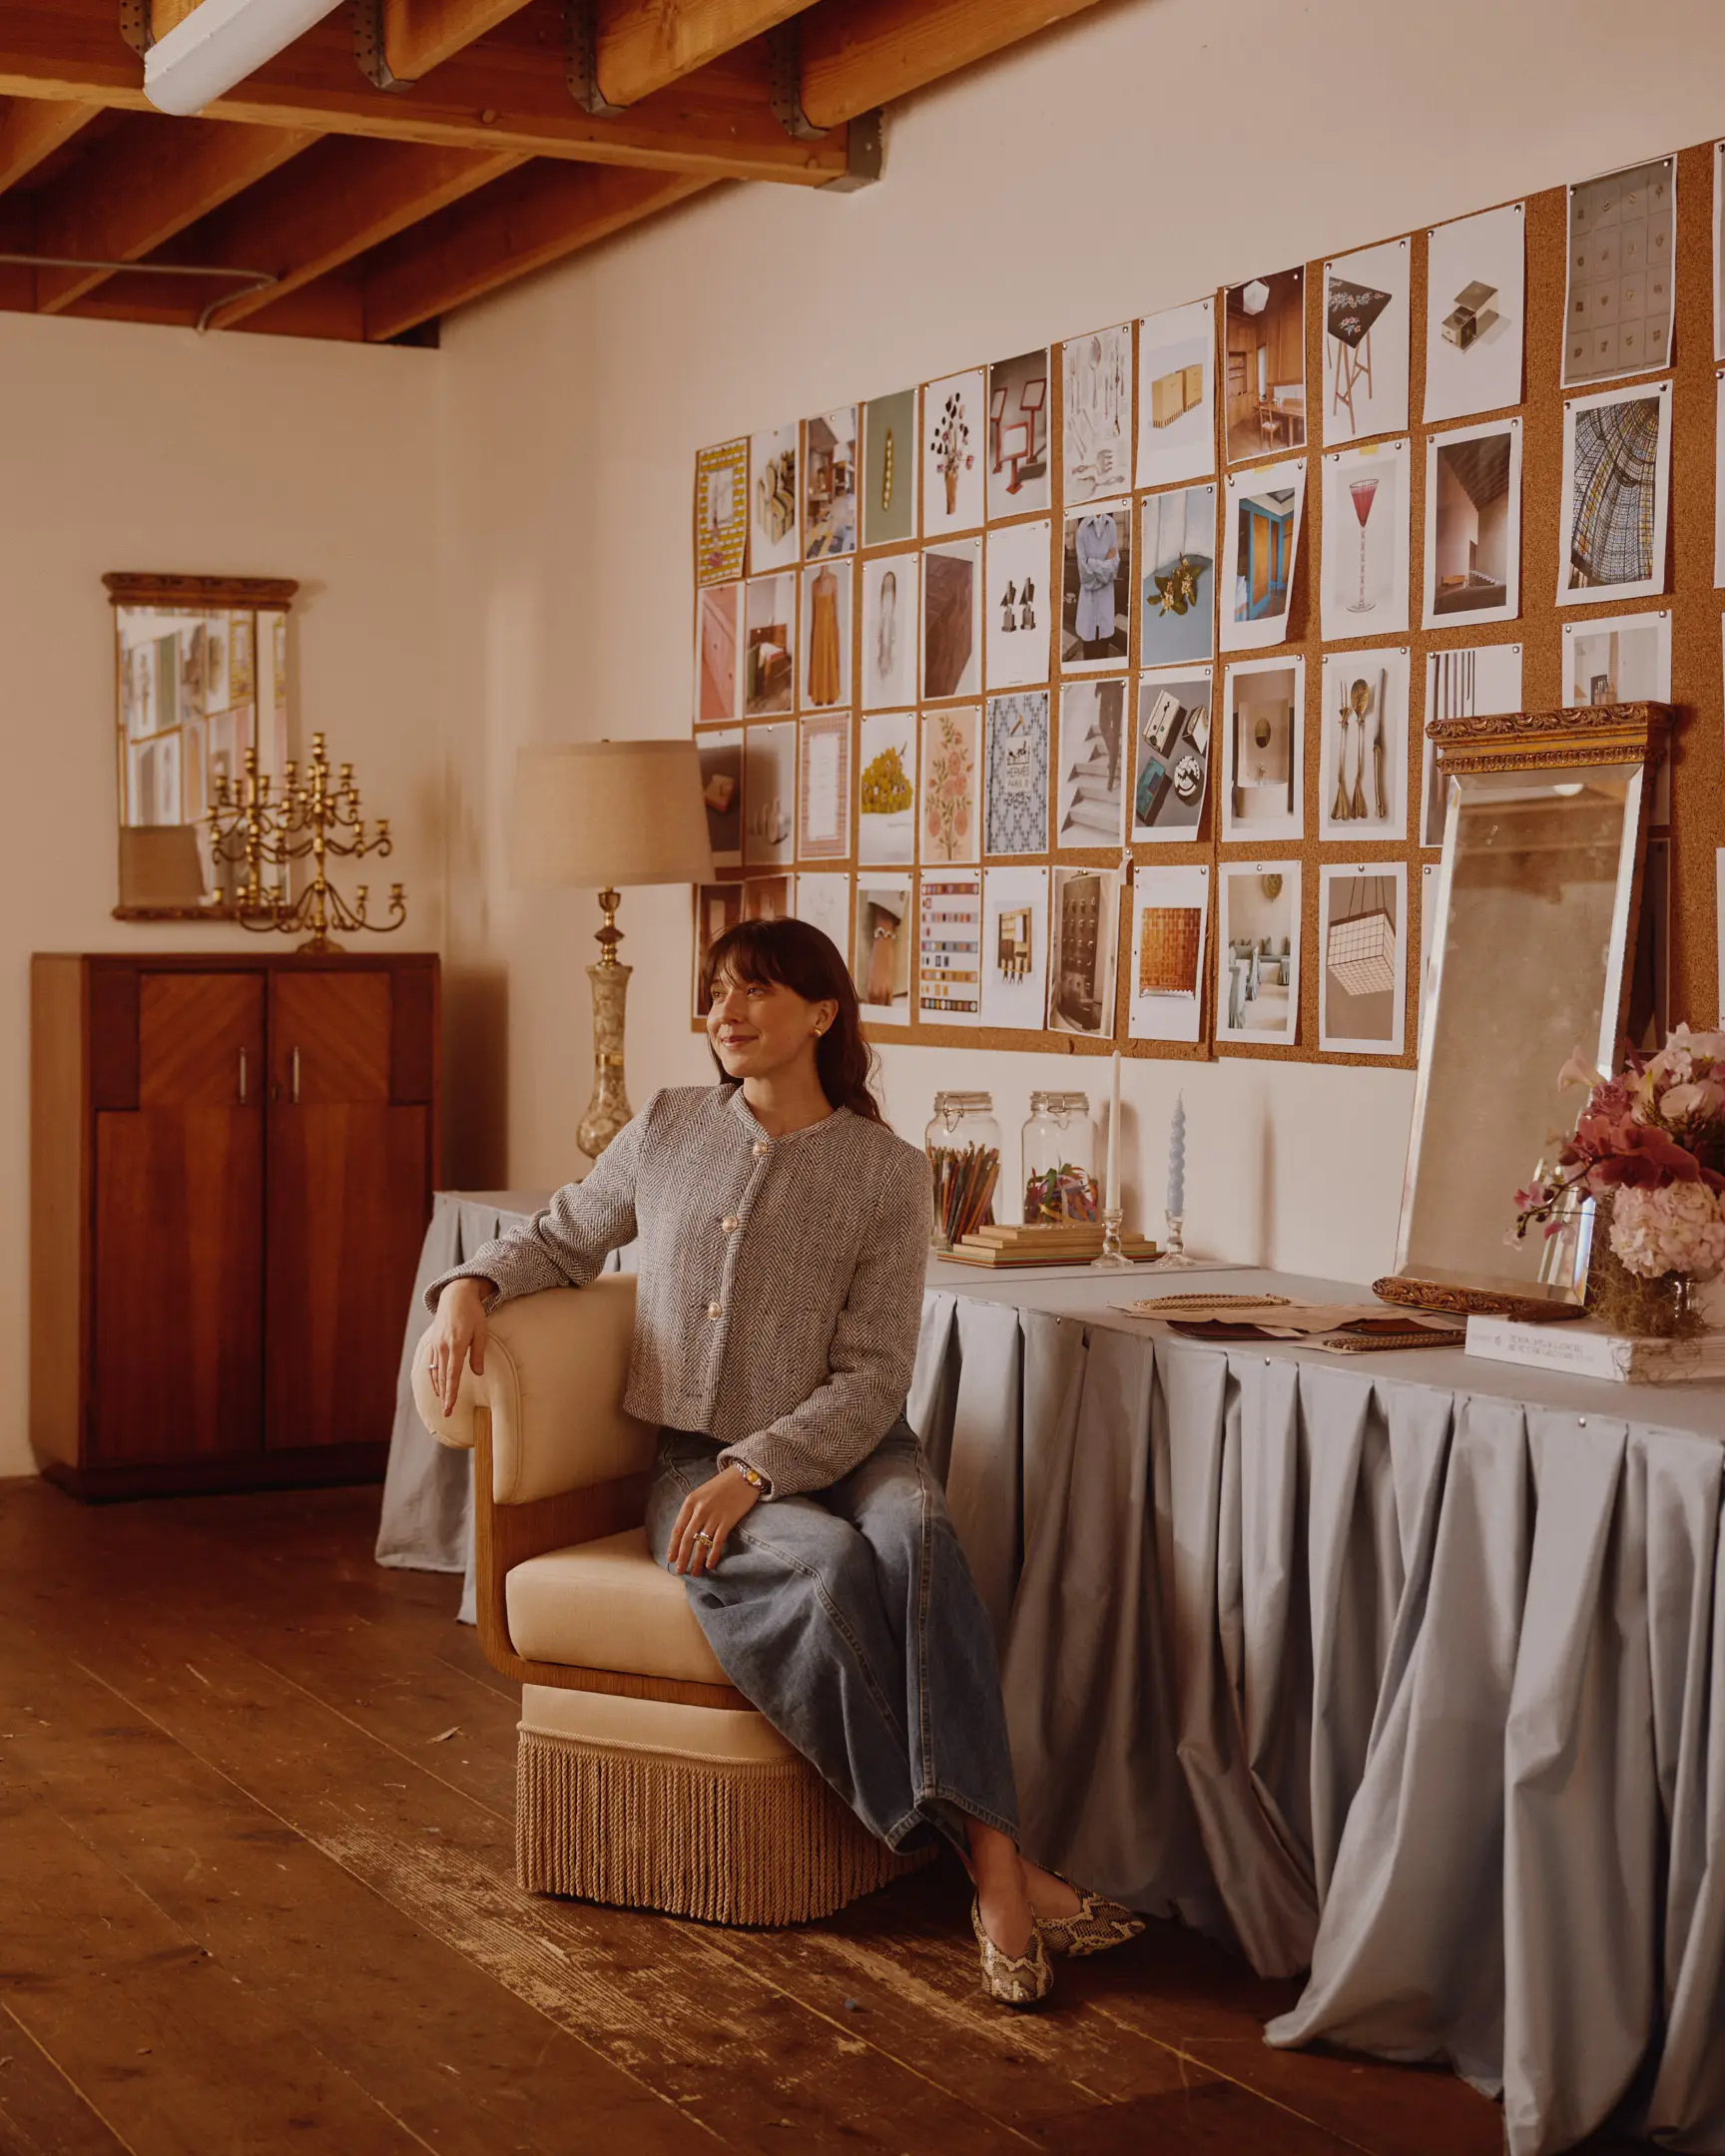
(1177, 1159)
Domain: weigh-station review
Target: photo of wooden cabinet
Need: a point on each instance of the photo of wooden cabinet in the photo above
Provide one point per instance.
(232, 1168)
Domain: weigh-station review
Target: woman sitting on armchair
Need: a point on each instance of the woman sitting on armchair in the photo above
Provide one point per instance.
(782, 1233)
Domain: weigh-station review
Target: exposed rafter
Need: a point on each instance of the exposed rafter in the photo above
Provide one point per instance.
(419, 35)
(533, 217)
(32, 128)
(644, 45)
(857, 54)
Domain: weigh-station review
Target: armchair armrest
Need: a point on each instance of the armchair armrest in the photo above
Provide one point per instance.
(556, 1365)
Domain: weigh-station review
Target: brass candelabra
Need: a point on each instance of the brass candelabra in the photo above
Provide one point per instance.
(253, 827)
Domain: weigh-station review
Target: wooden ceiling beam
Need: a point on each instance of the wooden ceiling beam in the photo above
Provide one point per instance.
(857, 54)
(419, 35)
(334, 203)
(146, 181)
(32, 128)
(645, 45)
(507, 92)
(533, 217)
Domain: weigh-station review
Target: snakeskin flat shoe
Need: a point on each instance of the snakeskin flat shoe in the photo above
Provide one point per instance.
(1013, 1979)
(1096, 1925)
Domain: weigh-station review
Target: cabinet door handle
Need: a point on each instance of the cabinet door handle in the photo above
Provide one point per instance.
(295, 1094)
(241, 1077)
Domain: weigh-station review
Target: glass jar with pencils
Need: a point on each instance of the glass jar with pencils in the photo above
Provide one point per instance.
(962, 1142)
(1060, 1157)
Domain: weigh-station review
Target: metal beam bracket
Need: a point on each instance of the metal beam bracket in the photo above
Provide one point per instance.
(785, 81)
(136, 26)
(369, 48)
(581, 60)
(864, 154)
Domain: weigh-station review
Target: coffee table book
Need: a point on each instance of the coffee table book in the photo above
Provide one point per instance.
(1587, 1350)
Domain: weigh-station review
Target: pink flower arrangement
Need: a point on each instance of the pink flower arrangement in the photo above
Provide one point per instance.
(1653, 1141)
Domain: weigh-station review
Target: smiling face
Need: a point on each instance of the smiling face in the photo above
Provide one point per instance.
(762, 1029)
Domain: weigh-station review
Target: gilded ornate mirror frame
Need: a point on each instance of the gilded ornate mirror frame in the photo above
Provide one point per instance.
(1544, 744)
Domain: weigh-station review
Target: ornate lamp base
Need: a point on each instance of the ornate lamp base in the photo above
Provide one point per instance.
(609, 1109)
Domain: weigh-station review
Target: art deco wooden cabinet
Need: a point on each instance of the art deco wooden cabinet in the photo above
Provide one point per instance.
(231, 1162)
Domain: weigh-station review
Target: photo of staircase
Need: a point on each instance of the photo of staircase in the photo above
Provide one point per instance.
(1093, 799)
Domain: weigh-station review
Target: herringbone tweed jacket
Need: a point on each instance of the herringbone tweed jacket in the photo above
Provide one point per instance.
(781, 1278)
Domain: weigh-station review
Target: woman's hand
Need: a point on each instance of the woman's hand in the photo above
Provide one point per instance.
(457, 1335)
(707, 1518)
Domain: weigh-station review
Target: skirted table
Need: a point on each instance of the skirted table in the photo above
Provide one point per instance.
(1408, 1671)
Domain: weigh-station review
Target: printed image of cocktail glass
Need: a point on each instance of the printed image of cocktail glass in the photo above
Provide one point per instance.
(1365, 492)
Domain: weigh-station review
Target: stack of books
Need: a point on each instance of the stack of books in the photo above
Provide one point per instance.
(1054, 1244)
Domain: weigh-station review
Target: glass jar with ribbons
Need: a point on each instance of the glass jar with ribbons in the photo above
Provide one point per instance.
(1058, 1150)
(962, 1142)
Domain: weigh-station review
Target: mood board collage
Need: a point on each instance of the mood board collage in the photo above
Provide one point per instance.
(1080, 695)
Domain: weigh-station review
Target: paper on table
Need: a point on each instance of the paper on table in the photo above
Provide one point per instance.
(1278, 1316)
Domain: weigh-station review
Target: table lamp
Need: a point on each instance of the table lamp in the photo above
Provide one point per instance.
(602, 815)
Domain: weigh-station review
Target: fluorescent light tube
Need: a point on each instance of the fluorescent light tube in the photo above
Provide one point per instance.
(219, 44)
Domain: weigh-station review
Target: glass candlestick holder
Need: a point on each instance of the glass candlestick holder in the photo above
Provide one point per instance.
(1173, 1258)
(1113, 1259)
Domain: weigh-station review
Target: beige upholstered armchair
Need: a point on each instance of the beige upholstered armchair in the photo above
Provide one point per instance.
(643, 1778)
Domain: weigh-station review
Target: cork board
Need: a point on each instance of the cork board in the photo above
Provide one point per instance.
(1697, 775)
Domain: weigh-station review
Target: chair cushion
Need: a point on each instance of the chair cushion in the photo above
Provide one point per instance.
(721, 1735)
(605, 1605)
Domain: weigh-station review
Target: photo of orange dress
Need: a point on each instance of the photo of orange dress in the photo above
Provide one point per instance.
(824, 638)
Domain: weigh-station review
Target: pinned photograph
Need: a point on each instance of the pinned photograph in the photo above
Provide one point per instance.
(766, 897)
(886, 790)
(1362, 764)
(1258, 952)
(1016, 777)
(830, 484)
(826, 638)
(891, 593)
(769, 645)
(1096, 589)
(1096, 444)
(721, 758)
(1084, 937)
(824, 901)
(1264, 366)
(1473, 524)
(824, 789)
(949, 947)
(1017, 475)
(954, 413)
(1617, 295)
(948, 789)
(1177, 575)
(1616, 495)
(721, 511)
(1015, 948)
(1170, 912)
(1177, 395)
(1719, 290)
(769, 795)
(881, 952)
(1259, 545)
(717, 910)
(1092, 766)
(1618, 658)
(1429, 880)
(1367, 500)
(1366, 318)
(1718, 487)
(1173, 756)
(890, 463)
(1363, 950)
(1464, 682)
(1017, 625)
(775, 530)
(953, 619)
(717, 654)
(1476, 279)
(1263, 750)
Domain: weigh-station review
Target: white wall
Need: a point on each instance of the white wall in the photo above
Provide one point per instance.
(1143, 155)
(123, 448)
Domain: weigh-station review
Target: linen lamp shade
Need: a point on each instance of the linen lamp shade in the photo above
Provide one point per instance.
(610, 814)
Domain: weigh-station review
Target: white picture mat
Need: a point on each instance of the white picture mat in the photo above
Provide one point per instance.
(1510, 606)
(1488, 249)
(950, 915)
(891, 645)
(1240, 489)
(1357, 886)
(887, 840)
(1386, 675)
(1238, 918)
(1462, 681)
(824, 901)
(1168, 1018)
(1642, 661)
(1018, 659)
(972, 387)
(1019, 1003)
(1381, 541)
(898, 889)
(1586, 376)
(1652, 584)
(1096, 384)
(1380, 408)
(1287, 824)
(1183, 447)
(823, 788)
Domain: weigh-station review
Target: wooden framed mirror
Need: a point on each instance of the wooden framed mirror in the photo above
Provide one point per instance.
(202, 676)
(1538, 905)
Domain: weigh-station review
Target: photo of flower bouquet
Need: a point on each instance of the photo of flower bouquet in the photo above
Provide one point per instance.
(1649, 1150)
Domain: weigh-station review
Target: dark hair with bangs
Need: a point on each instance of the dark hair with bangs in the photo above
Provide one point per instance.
(792, 954)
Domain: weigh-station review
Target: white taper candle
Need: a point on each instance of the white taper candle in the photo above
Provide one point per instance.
(1111, 1197)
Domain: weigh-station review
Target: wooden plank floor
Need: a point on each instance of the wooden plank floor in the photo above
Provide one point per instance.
(257, 1893)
